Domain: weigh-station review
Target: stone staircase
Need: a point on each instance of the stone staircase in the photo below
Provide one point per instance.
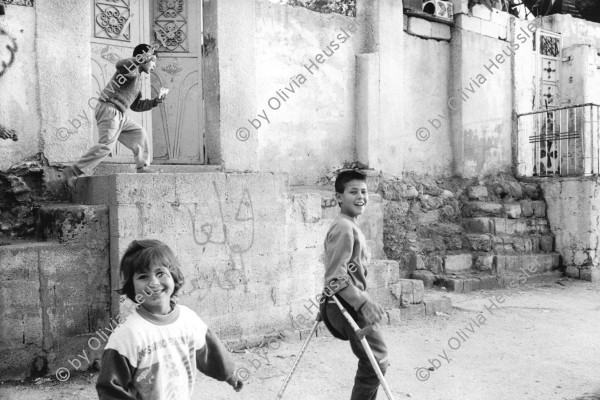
(507, 241)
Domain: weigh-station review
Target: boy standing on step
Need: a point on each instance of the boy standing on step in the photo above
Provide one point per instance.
(345, 276)
(122, 92)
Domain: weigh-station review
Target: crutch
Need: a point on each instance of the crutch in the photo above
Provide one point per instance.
(360, 333)
(297, 360)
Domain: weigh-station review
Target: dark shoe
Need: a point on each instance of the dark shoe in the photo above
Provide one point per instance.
(69, 176)
(146, 170)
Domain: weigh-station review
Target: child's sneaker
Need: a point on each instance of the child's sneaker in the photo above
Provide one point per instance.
(69, 176)
(146, 170)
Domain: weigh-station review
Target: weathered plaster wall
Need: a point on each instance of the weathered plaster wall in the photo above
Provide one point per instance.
(311, 117)
(574, 215)
(414, 79)
(19, 106)
(246, 271)
(482, 89)
(574, 30)
(235, 72)
(65, 84)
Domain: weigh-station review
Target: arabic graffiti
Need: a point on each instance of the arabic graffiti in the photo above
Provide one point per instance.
(12, 49)
(237, 236)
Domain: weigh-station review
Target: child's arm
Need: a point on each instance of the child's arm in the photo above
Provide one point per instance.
(115, 378)
(140, 105)
(214, 360)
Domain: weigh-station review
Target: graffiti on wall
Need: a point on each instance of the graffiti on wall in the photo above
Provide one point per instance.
(235, 236)
(26, 3)
(8, 49)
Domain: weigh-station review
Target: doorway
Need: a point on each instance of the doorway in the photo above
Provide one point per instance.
(175, 127)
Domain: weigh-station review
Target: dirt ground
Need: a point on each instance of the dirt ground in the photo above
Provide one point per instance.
(541, 341)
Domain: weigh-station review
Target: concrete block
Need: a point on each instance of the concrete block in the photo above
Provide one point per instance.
(500, 17)
(382, 274)
(572, 272)
(460, 6)
(434, 264)
(451, 284)
(480, 224)
(485, 263)
(413, 311)
(468, 23)
(512, 210)
(539, 208)
(437, 305)
(482, 209)
(429, 217)
(440, 31)
(408, 291)
(92, 190)
(419, 27)
(546, 243)
(479, 192)
(488, 282)
(503, 31)
(526, 208)
(418, 291)
(489, 29)
(456, 263)
(472, 284)
(590, 274)
(480, 242)
(131, 188)
(427, 277)
(481, 12)
(389, 298)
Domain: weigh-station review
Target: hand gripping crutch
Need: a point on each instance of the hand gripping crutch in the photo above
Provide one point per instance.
(360, 333)
(297, 360)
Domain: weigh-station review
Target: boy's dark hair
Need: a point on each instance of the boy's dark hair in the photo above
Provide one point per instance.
(143, 48)
(138, 257)
(346, 176)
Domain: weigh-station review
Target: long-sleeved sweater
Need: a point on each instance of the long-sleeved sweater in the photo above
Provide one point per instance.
(346, 258)
(124, 88)
(155, 357)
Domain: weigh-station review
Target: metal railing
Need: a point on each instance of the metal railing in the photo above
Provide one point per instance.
(560, 141)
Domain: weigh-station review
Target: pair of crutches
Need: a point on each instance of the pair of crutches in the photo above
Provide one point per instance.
(360, 334)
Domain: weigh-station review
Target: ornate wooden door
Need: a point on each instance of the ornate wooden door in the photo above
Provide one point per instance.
(117, 27)
(178, 123)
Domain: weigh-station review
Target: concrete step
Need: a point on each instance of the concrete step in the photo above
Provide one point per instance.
(471, 282)
(507, 226)
(111, 169)
(512, 210)
(510, 243)
(73, 223)
(485, 264)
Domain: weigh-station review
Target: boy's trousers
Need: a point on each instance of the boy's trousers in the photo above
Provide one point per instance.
(366, 381)
(113, 125)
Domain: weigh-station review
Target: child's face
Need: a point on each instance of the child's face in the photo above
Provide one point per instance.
(149, 66)
(354, 199)
(156, 286)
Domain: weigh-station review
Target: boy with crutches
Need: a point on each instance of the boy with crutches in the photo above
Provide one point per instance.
(346, 258)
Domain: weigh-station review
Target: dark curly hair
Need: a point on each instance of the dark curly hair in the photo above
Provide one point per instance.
(346, 176)
(140, 255)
